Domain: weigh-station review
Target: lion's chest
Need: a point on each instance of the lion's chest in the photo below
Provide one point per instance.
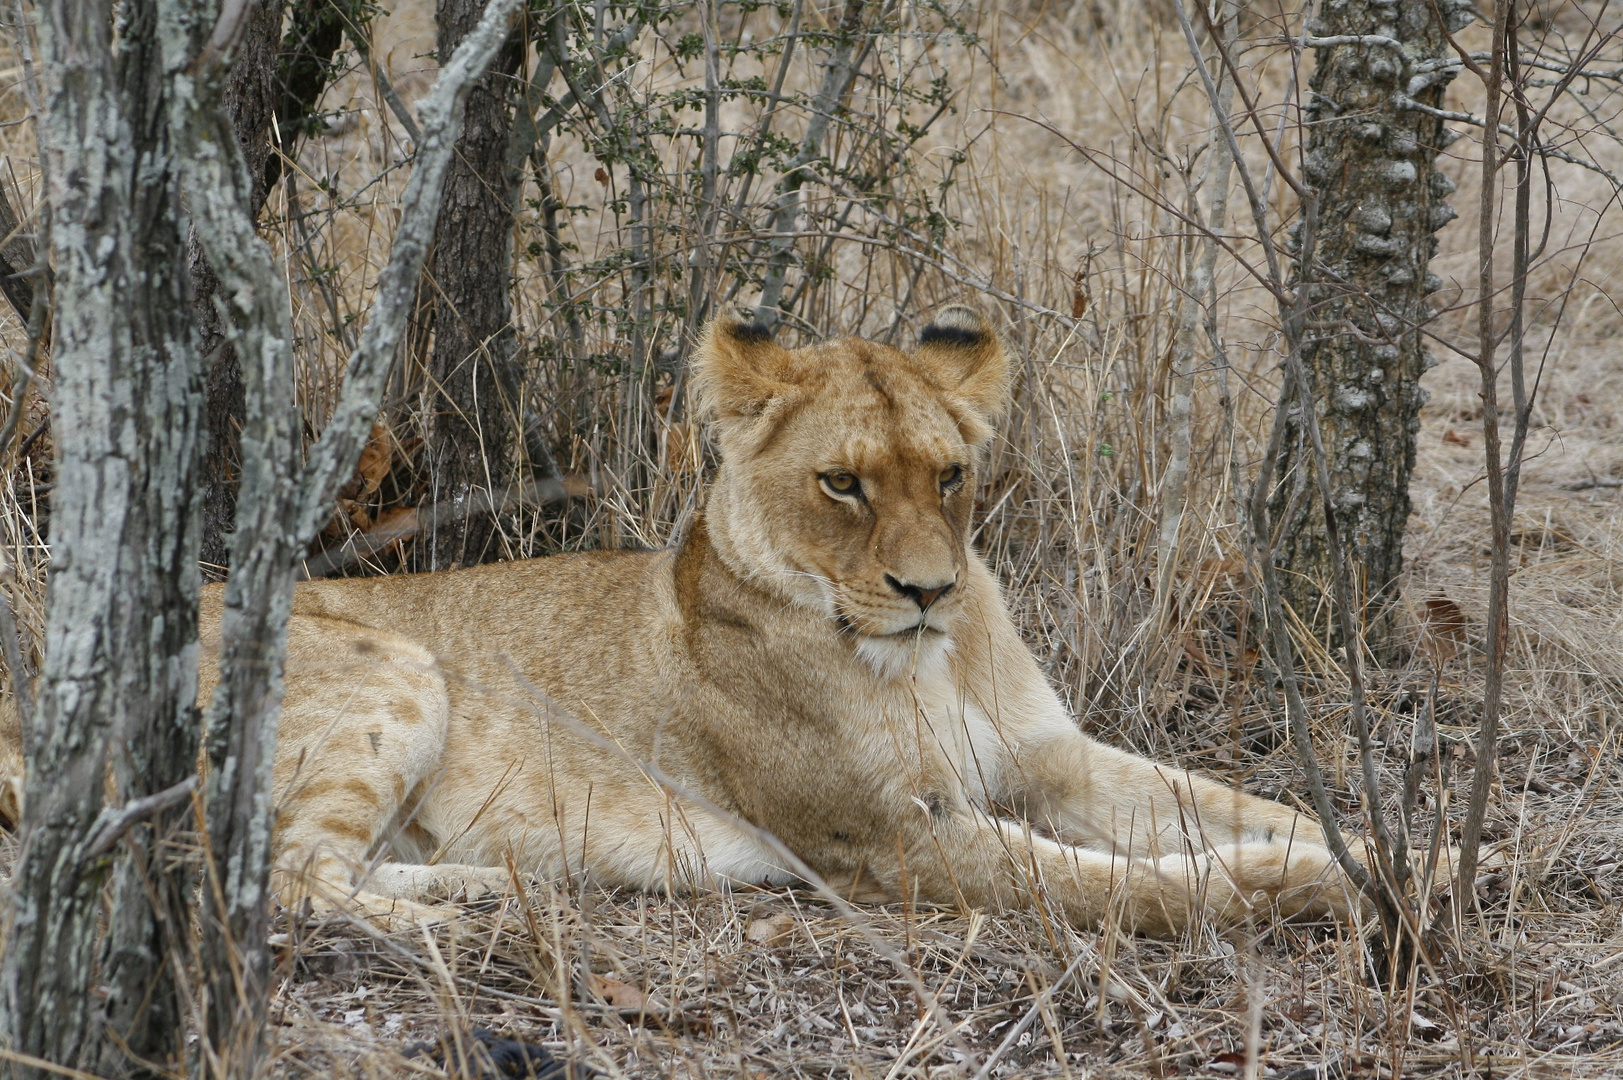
(943, 734)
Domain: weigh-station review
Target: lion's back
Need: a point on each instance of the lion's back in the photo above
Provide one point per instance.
(530, 613)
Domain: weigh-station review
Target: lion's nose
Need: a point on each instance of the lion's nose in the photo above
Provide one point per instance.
(922, 595)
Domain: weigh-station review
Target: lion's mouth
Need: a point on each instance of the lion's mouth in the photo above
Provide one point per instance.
(880, 624)
(918, 629)
(921, 629)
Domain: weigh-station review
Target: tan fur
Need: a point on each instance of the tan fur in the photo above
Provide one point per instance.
(776, 664)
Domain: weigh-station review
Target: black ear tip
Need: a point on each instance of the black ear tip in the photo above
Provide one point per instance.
(956, 326)
(744, 327)
(950, 335)
(749, 333)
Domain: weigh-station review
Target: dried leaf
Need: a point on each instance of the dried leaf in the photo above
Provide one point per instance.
(1079, 296)
(1424, 1028)
(338, 526)
(614, 992)
(1455, 438)
(1231, 571)
(1442, 628)
(401, 520)
(376, 459)
(764, 930)
(1195, 654)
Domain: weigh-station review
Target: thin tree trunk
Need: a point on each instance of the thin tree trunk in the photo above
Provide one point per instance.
(843, 63)
(1501, 489)
(274, 86)
(120, 676)
(1199, 291)
(280, 510)
(1381, 198)
(473, 376)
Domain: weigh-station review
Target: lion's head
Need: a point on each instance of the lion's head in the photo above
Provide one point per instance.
(848, 469)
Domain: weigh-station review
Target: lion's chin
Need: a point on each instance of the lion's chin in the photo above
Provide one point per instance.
(920, 651)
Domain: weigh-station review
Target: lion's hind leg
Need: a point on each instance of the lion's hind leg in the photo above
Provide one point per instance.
(362, 734)
(1278, 877)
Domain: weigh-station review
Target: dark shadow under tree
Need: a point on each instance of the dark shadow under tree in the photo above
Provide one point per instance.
(271, 98)
(473, 377)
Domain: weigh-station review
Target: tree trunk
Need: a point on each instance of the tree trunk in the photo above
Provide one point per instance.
(473, 376)
(281, 508)
(1371, 156)
(120, 676)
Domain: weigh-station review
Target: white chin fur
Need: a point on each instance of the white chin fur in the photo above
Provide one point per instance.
(896, 656)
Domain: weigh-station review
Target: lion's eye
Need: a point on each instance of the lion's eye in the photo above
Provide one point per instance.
(951, 477)
(842, 483)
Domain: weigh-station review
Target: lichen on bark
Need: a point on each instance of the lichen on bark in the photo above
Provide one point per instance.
(1371, 157)
(116, 705)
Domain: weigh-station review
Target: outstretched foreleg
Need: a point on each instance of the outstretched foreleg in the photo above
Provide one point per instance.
(963, 857)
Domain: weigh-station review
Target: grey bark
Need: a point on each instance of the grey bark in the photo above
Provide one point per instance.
(474, 384)
(120, 676)
(280, 509)
(1372, 161)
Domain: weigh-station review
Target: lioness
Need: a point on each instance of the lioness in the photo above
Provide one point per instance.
(822, 656)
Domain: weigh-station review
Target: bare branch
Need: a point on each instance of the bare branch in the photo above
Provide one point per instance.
(1259, 211)
(362, 545)
(112, 824)
(1499, 513)
(233, 17)
(843, 65)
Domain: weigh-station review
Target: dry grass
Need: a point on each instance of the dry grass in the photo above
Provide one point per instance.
(769, 983)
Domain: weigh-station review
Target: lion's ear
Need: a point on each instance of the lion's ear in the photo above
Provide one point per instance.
(968, 358)
(738, 369)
